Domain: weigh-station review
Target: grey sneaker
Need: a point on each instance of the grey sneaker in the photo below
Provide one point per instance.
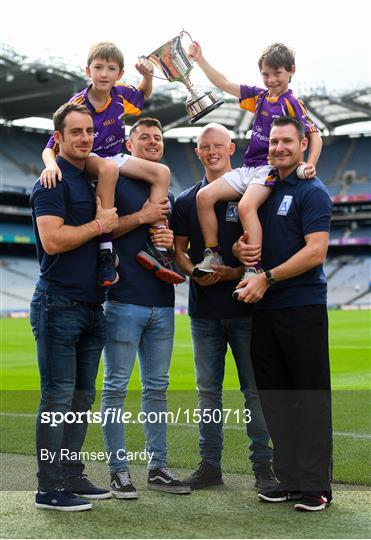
(204, 267)
(247, 274)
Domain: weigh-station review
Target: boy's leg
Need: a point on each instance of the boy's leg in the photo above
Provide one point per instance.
(157, 259)
(107, 173)
(218, 190)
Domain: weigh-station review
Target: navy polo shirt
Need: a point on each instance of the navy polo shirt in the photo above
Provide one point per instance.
(72, 274)
(215, 301)
(295, 209)
(137, 285)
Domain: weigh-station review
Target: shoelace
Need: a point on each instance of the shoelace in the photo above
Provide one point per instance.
(124, 478)
(168, 473)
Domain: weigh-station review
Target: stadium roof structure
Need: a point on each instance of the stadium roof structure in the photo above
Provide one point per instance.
(35, 87)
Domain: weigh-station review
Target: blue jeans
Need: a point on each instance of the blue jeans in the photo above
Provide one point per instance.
(150, 332)
(70, 337)
(210, 340)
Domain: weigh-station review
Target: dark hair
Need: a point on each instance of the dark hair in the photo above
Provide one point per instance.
(107, 51)
(277, 56)
(60, 114)
(289, 120)
(146, 121)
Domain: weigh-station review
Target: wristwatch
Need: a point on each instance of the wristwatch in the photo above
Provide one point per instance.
(270, 279)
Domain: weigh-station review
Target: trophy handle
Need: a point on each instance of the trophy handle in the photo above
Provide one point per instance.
(144, 60)
(182, 32)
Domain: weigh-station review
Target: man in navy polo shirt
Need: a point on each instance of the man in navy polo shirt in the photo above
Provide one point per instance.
(217, 320)
(66, 314)
(290, 329)
(140, 319)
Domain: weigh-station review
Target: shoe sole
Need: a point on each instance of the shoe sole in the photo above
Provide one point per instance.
(198, 272)
(97, 496)
(120, 495)
(108, 283)
(79, 508)
(181, 490)
(209, 485)
(235, 293)
(150, 263)
(304, 508)
(264, 498)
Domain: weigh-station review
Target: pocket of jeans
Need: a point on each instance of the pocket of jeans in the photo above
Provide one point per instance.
(35, 317)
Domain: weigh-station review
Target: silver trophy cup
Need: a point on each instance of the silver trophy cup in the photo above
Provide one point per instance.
(172, 60)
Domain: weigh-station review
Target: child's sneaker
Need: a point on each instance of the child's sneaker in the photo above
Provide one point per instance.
(162, 263)
(61, 500)
(163, 480)
(247, 274)
(122, 486)
(107, 263)
(203, 268)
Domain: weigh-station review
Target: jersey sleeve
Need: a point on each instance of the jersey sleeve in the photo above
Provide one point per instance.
(49, 202)
(316, 210)
(52, 144)
(249, 96)
(133, 99)
(180, 217)
(296, 109)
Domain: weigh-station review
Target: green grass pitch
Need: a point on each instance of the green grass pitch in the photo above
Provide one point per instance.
(231, 512)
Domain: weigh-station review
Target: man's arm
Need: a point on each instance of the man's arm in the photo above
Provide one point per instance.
(149, 213)
(311, 255)
(56, 237)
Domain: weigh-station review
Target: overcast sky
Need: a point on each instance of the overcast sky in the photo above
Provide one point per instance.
(331, 39)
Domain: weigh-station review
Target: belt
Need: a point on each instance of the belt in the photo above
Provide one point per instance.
(90, 305)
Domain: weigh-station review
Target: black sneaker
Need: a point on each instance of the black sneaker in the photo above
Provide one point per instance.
(163, 480)
(122, 486)
(81, 485)
(61, 500)
(279, 495)
(264, 478)
(162, 263)
(205, 476)
(313, 503)
(107, 263)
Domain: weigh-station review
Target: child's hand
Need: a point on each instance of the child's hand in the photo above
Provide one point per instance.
(48, 177)
(144, 67)
(310, 171)
(195, 51)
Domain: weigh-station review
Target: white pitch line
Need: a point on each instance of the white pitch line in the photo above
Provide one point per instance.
(349, 434)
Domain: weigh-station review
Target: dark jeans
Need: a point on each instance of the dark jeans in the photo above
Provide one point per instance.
(70, 337)
(291, 363)
(210, 341)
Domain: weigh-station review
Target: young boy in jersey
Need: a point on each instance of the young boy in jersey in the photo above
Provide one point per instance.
(109, 102)
(252, 181)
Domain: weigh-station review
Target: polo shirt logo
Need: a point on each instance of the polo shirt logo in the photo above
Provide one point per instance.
(232, 212)
(285, 205)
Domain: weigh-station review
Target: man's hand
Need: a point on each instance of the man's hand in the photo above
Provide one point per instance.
(153, 212)
(253, 289)
(48, 177)
(248, 254)
(221, 273)
(195, 51)
(107, 216)
(162, 237)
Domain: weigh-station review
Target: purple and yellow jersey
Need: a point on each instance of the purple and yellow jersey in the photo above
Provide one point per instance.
(266, 109)
(109, 120)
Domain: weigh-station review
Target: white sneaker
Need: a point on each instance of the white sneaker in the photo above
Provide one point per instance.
(247, 274)
(204, 267)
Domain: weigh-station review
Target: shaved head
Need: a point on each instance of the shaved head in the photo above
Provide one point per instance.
(213, 126)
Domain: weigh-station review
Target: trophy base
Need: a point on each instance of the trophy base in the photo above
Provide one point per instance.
(199, 106)
(206, 111)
